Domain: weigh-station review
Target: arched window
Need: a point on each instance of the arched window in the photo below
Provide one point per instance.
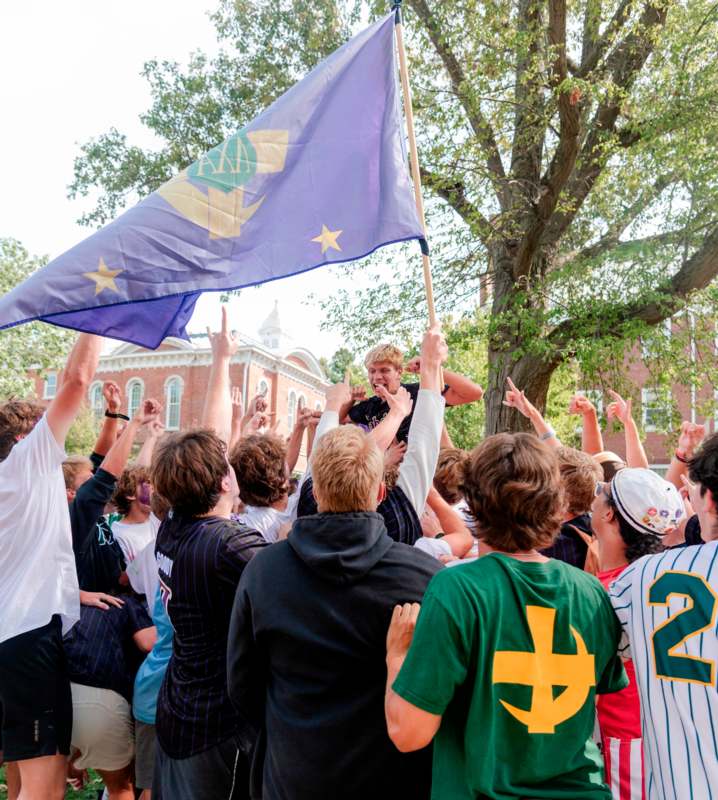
(173, 400)
(50, 387)
(301, 401)
(134, 396)
(97, 404)
(291, 410)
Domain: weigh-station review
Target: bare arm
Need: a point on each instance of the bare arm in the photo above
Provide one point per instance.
(294, 446)
(516, 399)
(591, 438)
(461, 390)
(237, 416)
(77, 376)
(116, 460)
(456, 534)
(155, 429)
(400, 405)
(409, 727)
(108, 432)
(217, 413)
(621, 409)
(145, 639)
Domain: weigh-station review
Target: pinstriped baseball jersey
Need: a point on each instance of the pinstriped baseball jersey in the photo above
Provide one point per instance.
(668, 604)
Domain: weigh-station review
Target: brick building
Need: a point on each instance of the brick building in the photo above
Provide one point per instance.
(177, 373)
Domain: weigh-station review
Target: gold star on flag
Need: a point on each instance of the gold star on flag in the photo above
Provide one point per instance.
(104, 278)
(327, 239)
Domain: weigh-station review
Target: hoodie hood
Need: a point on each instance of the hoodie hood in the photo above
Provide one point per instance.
(341, 548)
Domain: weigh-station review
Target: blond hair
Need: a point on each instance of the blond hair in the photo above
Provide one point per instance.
(385, 352)
(71, 468)
(347, 469)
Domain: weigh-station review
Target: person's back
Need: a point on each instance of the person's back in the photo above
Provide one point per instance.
(321, 633)
(510, 650)
(667, 604)
(539, 634)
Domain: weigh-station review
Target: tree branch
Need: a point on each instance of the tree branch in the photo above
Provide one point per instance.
(594, 53)
(695, 273)
(624, 64)
(566, 152)
(479, 124)
(453, 191)
(612, 236)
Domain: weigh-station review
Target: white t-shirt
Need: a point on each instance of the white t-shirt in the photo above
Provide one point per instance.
(268, 521)
(133, 538)
(142, 572)
(38, 578)
(434, 547)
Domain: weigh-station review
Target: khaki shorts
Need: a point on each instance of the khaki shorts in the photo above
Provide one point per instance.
(102, 730)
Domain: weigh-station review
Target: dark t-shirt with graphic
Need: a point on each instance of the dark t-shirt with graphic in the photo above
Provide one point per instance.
(371, 412)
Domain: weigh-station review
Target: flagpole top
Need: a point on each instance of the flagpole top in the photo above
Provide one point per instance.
(396, 8)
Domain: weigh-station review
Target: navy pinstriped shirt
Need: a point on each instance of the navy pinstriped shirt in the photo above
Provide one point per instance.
(200, 562)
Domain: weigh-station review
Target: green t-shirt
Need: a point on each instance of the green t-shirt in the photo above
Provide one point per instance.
(511, 654)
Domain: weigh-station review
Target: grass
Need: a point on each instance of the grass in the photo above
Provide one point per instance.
(88, 793)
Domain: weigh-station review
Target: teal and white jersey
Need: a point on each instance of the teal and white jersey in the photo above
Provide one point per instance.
(667, 604)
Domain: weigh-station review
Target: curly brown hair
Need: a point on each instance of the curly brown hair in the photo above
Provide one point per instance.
(187, 470)
(126, 489)
(513, 487)
(259, 462)
(17, 419)
(448, 473)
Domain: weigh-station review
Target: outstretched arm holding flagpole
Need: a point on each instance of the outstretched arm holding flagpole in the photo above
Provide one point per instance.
(414, 157)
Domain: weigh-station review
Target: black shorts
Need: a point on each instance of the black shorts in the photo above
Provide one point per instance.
(35, 694)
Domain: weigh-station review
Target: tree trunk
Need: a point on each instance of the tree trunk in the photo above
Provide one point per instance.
(531, 373)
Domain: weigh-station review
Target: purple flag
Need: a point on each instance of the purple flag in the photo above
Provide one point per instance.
(319, 177)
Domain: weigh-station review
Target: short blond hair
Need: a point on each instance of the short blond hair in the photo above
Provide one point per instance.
(71, 468)
(385, 352)
(347, 470)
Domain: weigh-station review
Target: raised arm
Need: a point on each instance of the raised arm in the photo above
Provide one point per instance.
(400, 405)
(155, 429)
(456, 534)
(217, 413)
(621, 410)
(116, 460)
(591, 438)
(294, 445)
(76, 378)
(518, 400)
(422, 451)
(690, 438)
(461, 390)
(237, 416)
(108, 432)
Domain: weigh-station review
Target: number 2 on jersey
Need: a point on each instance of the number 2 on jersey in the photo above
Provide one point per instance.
(698, 616)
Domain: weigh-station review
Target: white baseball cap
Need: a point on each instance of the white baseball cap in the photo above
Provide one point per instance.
(646, 501)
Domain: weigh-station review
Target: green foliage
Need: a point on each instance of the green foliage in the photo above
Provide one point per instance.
(34, 347)
(576, 180)
(341, 362)
(83, 434)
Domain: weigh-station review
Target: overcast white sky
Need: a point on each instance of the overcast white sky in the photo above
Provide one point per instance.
(70, 71)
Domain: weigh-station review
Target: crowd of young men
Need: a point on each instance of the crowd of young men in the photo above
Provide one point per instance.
(409, 620)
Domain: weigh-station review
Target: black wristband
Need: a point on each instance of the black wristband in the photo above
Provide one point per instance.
(112, 415)
(682, 459)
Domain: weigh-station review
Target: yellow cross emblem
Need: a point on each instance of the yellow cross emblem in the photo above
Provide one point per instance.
(543, 669)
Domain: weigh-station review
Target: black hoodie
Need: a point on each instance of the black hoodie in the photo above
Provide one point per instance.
(306, 660)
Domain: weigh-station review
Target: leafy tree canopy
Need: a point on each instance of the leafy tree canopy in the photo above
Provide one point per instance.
(567, 147)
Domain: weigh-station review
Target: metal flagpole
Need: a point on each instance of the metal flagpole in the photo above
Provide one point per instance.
(414, 158)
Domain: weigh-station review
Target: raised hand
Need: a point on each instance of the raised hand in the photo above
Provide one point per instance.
(581, 405)
(434, 349)
(690, 437)
(516, 399)
(149, 412)
(619, 409)
(113, 396)
(224, 344)
(358, 393)
(413, 365)
(258, 404)
(237, 405)
(400, 402)
(338, 395)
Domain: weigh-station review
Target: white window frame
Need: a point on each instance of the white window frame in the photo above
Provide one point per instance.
(128, 393)
(667, 327)
(171, 380)
(291, 409)
(46, 394)
(97, 408)
(653, 398)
